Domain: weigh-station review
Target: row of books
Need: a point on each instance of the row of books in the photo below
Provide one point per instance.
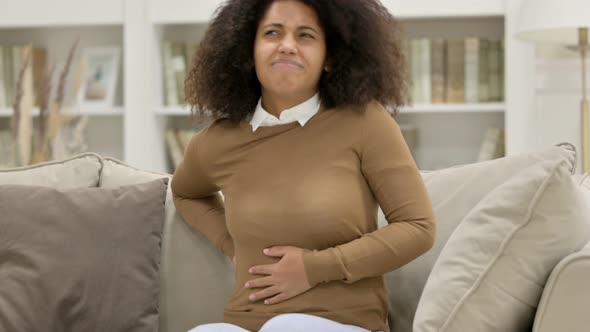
(12, 58)
(469, 70)
(176, 58)
(178, 139)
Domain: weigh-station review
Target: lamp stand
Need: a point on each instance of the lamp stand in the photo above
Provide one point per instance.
(583, 44)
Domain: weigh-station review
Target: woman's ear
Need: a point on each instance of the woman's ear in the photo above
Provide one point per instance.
(327, 66)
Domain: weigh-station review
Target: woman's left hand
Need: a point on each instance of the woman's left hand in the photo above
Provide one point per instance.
(286, 278)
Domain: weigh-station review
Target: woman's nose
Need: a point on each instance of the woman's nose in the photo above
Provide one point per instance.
(288, 45)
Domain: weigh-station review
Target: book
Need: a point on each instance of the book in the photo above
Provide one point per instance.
(415, 70)
(3, 101)
(9, 80)
(168, 76)
(492, 145)
(425, 71)
(471, 70)
(484, 71)
(494, 70)
(456, 71)
(175, 151)
(179, 69)
(438, 74)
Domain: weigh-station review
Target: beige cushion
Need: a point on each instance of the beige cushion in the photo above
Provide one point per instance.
(566, 296)
(196, 279)
(82, 171)
(491, 273)
(82, 259)
(454, 192)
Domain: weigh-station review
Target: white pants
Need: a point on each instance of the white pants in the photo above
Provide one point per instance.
(286, 323)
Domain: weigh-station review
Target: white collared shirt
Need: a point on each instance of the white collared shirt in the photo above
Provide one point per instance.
(301, 113)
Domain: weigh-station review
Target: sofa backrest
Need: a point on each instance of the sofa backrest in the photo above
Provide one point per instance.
(566, 296)
(196, 279)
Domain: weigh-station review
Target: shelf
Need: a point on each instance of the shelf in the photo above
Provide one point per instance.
(454, 108)
(182, 11)
(139, 27)
(91, 111)
(190, 11)
(34, 13)
(99, 111)
(174, 110)
(415, 109)
(417, 9)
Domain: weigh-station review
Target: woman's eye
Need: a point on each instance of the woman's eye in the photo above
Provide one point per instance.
(271, 33)
(307, 35)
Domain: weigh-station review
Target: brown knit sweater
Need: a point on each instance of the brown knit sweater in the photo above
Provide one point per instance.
(315, 187)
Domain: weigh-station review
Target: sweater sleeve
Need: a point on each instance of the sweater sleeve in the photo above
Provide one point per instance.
(197, 198)
(392, 175)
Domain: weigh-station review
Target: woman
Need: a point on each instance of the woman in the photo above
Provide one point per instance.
(303, 151)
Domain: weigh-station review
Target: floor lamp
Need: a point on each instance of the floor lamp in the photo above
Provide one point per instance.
(565, 22)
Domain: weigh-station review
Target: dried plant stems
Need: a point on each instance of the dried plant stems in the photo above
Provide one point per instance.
(50, 117)
(56, 119)
(18, 96)
(44, 93)
(22, 121)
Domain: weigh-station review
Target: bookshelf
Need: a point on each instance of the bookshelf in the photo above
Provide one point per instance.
(56, 33)
(449, 134)
(438, 23)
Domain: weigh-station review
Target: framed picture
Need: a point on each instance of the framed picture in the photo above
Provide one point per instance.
(100, 76)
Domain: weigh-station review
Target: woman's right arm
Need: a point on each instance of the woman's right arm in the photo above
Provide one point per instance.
(197, 198)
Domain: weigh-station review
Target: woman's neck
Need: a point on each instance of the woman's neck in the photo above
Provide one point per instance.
(275, 105)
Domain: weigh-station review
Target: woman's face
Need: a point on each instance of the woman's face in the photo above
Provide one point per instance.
(289, 50)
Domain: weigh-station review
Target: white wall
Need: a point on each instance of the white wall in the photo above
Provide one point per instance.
(558, 91)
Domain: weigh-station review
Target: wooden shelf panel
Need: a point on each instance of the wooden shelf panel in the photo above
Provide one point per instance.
(91, 111)
(190, 11)
(455, 108)
(35, 13)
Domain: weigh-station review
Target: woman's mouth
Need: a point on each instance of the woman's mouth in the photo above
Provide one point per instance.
(287, 64)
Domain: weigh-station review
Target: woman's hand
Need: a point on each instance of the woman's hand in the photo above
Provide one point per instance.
(286, 278)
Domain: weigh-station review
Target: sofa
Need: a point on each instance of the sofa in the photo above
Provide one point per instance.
(195, 279)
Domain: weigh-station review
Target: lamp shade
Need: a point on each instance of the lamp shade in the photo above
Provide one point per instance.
(554, 21)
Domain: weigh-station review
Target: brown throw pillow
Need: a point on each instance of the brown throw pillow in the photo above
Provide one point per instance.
(81, 259)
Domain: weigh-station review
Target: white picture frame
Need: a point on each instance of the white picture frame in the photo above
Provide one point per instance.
(101, 71)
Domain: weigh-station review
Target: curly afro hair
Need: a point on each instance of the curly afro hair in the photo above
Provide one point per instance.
(364, 49)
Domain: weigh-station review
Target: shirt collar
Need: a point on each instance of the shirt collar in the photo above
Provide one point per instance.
(300, 113)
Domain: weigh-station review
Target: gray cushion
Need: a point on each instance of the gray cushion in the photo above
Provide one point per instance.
(81, 259)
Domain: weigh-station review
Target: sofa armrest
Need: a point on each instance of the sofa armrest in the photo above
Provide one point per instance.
(565, 302)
